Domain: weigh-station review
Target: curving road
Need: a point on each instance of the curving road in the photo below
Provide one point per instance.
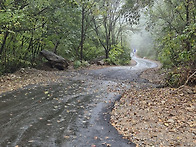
(126, 73)
(73, 113)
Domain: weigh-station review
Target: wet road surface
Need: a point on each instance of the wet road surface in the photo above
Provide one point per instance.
(125, 73)
(72, 113)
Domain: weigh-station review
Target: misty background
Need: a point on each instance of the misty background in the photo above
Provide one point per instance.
(142, 40)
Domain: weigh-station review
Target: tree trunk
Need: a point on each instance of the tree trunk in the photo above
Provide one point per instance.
(121, 39)
(106, 54)
(4, 42)
(187, 6)
(82, 35)
(56, 46)
(187, 12)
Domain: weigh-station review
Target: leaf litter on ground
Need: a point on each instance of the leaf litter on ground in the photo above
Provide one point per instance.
(152, 116)
(28, 76)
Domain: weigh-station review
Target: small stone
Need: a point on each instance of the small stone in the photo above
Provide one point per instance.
(170, 121)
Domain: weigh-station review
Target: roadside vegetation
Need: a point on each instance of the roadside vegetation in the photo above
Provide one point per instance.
(173, 26)
(78, 30)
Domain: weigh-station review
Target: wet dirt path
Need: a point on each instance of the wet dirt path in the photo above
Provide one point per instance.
(72, 113)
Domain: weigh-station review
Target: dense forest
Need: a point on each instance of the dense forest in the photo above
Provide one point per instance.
(83, 30)
(79, 30)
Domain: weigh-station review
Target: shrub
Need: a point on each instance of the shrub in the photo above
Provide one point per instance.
(85, 64)
(77, 64)
(119, 55)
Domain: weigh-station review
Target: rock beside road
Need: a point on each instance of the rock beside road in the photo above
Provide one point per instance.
(54, 60)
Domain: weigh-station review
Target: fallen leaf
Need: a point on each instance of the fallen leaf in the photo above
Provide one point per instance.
(46, 92)
(66, 137)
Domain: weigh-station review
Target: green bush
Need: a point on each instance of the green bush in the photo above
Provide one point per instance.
(173, 79)
(177, 53)
(13, 64)
(119, 55)
(179, 75)
(93, 52)
(85, 64)
(77, 64)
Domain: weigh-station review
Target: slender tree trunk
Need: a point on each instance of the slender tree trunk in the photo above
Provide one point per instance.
(106, 54)
(187, 12)
(82, 35)
(107, 37)
(187, 6)
(56, 46)
(4, 42)
(121, 39)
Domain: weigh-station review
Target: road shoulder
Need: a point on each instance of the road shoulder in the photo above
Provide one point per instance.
(157, 116)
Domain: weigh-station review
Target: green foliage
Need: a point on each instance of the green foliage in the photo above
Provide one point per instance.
(77, 30)
(85, 64)
(12, 64)
(181, 75)
(174, 48)
(176, 38)
(173, 79)
(119, 55)
(27, 27)
(77, 64)
(93, 52)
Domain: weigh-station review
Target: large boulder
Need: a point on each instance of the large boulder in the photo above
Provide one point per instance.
(54, 60)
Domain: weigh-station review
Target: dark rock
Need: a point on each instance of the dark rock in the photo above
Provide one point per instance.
(54, 60)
